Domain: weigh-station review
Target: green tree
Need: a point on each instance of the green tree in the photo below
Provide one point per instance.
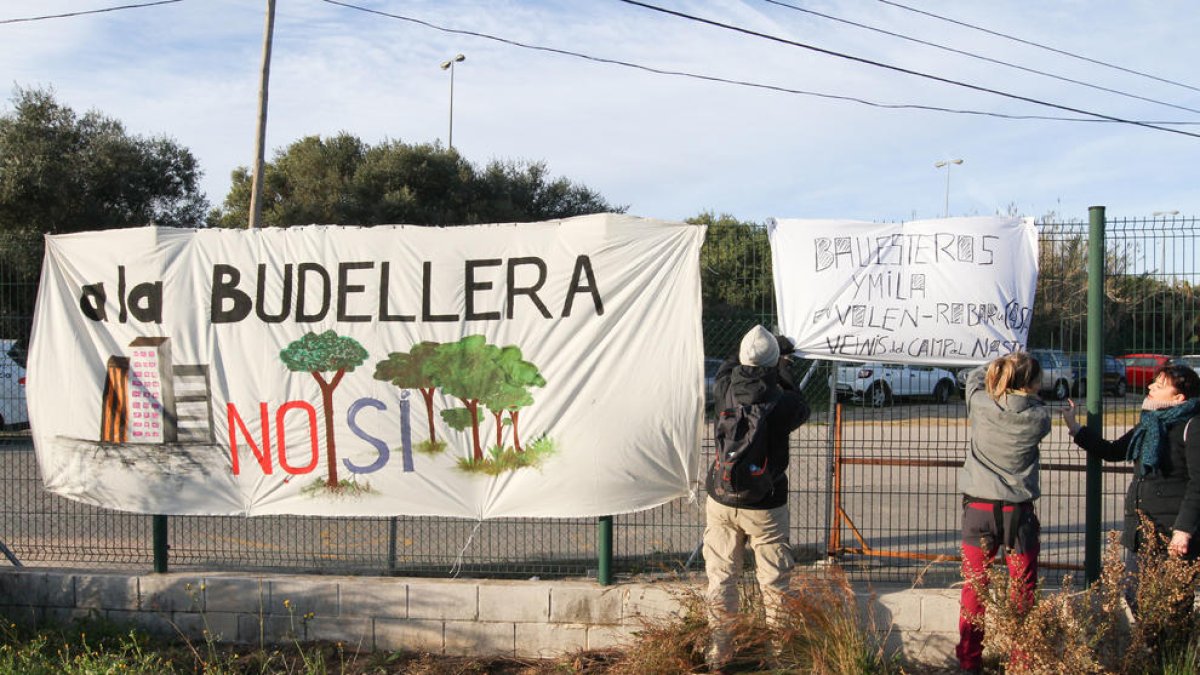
(342, 180)
(323, 353)
(1152, 310)
(467, 370)
(735, 280)
(421, 184)
(511, 191)
(61, 172)
(735, 264)
(410, 370)
(512, 391)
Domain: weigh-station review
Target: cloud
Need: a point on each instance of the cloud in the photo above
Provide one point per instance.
(669, 147)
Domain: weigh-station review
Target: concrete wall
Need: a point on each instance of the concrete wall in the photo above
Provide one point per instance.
(465, 616)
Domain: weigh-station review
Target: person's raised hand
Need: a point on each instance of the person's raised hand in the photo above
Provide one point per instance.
(1068, 417)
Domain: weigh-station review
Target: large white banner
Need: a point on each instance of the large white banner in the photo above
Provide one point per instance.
(955, 291)
(545, 369)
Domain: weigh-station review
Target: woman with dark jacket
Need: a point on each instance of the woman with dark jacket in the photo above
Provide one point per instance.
(1165, 450)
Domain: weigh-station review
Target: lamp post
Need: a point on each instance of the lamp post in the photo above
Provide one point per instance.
(449, 65)
(946, 163)
(1163, 241)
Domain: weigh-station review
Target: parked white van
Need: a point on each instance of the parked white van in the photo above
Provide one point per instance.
(13, 412)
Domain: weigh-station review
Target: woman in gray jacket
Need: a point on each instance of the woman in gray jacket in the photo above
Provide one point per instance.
(999, 482)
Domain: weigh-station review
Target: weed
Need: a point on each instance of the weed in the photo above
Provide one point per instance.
(669, 645)
(91, 645)
(823, 631)
(1080, 631)
(1164, 596)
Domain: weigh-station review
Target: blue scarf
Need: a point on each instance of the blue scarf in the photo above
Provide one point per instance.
(1150, 435)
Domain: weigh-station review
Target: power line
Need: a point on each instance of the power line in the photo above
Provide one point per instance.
(980, 57)
(722, 80)
(1039, 46)
(89, 11)
(907, 71)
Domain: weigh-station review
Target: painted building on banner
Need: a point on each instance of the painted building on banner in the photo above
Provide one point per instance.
(148, 399)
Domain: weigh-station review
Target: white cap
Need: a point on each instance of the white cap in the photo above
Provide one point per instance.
(759, 348)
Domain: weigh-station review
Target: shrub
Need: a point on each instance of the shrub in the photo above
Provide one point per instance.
(1081, 631)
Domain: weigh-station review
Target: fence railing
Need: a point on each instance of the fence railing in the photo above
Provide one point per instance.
(874, 488)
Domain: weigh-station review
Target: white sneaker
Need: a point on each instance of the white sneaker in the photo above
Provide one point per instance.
(719, 653)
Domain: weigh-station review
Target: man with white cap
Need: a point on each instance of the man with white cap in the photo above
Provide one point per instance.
(753, 378)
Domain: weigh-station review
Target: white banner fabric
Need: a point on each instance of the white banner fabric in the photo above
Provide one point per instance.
(546, 369)
(952, 292)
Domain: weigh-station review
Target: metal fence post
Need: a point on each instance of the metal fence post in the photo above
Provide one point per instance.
(1095, 392)
(391, 552)
(158, 525)
(604, 531)
(831, 473)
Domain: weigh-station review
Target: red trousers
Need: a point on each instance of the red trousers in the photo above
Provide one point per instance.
(982, 537)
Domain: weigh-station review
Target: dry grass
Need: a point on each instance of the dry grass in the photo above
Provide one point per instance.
(823, 632)
(1085, 631)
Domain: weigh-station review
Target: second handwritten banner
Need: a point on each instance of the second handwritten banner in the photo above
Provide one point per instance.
(955, 291)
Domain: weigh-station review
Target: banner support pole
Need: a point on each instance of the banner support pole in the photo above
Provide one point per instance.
(158, 525)
(604, 532)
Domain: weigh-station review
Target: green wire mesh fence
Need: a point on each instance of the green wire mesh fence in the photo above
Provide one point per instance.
(873, 483)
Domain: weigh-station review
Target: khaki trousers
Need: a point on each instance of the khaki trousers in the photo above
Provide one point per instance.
(726, 533)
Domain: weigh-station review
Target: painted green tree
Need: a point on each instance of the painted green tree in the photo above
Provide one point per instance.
(512, 391)
(327, 352)
(459, 419)
(468, 371)
(411, 370)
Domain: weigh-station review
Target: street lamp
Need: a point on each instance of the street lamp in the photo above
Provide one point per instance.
(449, 65)
(1164, 215)
(946, 163)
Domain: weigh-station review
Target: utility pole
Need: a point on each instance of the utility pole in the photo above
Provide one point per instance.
(260, 139)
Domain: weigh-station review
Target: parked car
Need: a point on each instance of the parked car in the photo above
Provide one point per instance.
(711, 366)
(12, 385)
(1190, 360)
(1114, 375)
(1057, 373)
(1141, 368)
(879, 384)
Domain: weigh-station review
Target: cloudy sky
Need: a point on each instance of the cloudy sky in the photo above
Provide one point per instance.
(672, 146)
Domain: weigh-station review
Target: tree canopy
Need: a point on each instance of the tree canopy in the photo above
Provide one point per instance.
(342, 180)
(735, 279)
(63, 172)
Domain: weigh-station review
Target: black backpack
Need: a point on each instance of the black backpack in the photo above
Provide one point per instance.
(739, 475)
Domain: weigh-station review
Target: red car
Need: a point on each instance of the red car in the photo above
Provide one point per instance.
(1140, 368)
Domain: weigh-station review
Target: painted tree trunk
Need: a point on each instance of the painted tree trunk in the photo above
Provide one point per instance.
(473, 407)
(327, 402)
(513, 414)
(499, 428)
(427, 394)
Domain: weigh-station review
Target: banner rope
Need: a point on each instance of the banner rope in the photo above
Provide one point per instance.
(457, 566)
